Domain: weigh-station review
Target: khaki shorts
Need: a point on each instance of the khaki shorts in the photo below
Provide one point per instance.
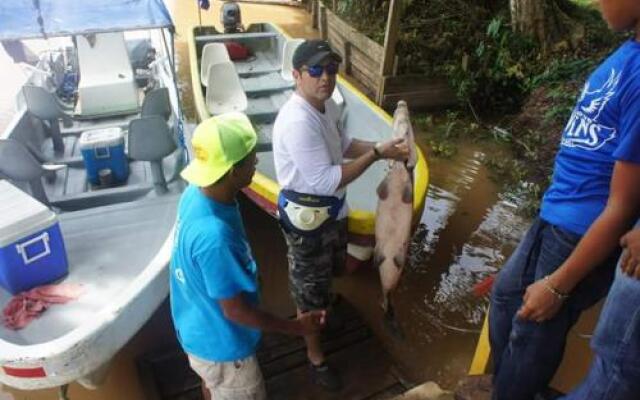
(233, 380)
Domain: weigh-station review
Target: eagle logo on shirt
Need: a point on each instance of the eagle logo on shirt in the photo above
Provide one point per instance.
(583, 129)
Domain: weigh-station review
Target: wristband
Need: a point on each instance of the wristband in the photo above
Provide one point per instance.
(376, 150)
(553, 290)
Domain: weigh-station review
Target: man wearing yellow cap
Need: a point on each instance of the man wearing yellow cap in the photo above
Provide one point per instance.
(214, 290)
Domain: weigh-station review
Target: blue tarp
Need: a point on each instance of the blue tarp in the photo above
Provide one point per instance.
(26, 19)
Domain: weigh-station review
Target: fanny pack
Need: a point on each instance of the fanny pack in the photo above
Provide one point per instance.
(307, 214)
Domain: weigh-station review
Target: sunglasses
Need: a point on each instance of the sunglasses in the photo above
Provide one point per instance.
(316, 71)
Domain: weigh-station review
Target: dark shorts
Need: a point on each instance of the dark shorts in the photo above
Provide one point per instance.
(313, 262)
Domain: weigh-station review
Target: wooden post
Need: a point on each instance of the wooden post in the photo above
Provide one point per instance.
(346, 55)
(322, 23)
(314, 13)
(335, 6)
(390, 40)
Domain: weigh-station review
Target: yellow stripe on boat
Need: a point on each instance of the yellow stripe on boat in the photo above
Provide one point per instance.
(483, 350)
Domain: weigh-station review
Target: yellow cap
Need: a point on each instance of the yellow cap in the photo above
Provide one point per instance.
(218, 143)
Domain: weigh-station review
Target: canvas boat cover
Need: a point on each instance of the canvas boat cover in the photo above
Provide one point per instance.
(31, 19)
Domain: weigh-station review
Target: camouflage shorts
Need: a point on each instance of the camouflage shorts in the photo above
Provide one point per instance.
(313, 261)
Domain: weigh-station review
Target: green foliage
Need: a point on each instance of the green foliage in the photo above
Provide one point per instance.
(472, 43)
(492, 76)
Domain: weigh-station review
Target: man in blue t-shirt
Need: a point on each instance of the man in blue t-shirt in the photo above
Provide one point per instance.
(213, 281)
(566, 260)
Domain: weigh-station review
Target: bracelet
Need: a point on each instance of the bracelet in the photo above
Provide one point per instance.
(376, 151)
(553, 290)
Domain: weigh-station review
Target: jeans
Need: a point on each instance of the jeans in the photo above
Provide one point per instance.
(615, 370)
(526, 354)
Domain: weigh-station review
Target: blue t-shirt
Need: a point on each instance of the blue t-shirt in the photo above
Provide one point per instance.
(604, 128)
(211, 260)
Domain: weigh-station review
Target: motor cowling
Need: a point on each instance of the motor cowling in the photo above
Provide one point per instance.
(230, 17)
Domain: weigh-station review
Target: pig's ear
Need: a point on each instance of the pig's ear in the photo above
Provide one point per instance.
(383, 190)
(407, 193)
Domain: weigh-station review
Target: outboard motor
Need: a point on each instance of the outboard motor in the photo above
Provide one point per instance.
(230, 17)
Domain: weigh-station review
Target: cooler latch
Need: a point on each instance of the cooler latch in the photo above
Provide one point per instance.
(38, 247)
(101, 152)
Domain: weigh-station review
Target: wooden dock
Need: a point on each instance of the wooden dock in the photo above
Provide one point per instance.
(359, 357)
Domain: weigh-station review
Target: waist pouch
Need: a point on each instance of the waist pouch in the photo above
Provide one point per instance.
(307, 214)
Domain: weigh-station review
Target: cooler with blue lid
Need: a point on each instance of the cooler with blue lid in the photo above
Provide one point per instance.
(32, 250)
(103, 149)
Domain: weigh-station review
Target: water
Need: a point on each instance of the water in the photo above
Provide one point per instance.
(468, 229)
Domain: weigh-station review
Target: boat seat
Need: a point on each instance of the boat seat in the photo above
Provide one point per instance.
(150, 139)
(258, 85)
(224, 91)
(44, 105)
(212, 53)
(156, 102)
(21, 165)
(288, 49)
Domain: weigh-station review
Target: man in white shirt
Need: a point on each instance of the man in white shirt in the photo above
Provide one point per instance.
(308, 149)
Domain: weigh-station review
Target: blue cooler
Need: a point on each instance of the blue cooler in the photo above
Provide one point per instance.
(32, 251)
(103, 149)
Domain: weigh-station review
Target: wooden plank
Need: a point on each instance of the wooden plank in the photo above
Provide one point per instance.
(350, 347)
(346, 51)
(298, 357)
(356, 38)
(364, 368)
(365, 64)
(228, 36)
(366, 86)
(322, 21)
(391, 38)
(274, 346)
(337, 41)
(292, 3)
(420, 93)
(410, 82)
(314, 13)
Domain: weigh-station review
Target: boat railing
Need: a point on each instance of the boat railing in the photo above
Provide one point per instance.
(237, 36)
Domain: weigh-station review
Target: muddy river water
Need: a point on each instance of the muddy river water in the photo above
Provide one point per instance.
(468, 229)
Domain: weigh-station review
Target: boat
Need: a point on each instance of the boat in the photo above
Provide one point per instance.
(117, 231)
(259, 86)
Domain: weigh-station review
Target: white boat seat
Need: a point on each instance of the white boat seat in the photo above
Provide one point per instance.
(150, 139)
(224, 91)
(288, 49)
(212, 53)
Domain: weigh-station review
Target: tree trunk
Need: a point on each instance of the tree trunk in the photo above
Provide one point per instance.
(528, 17)
(547, 21)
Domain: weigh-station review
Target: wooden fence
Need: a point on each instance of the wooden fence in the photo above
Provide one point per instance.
(374, 66)
(294, 3)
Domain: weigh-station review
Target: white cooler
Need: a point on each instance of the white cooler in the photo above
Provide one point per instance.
(32, 250)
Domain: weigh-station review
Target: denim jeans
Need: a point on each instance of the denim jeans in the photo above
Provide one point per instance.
(615, 370)
(526, 354)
